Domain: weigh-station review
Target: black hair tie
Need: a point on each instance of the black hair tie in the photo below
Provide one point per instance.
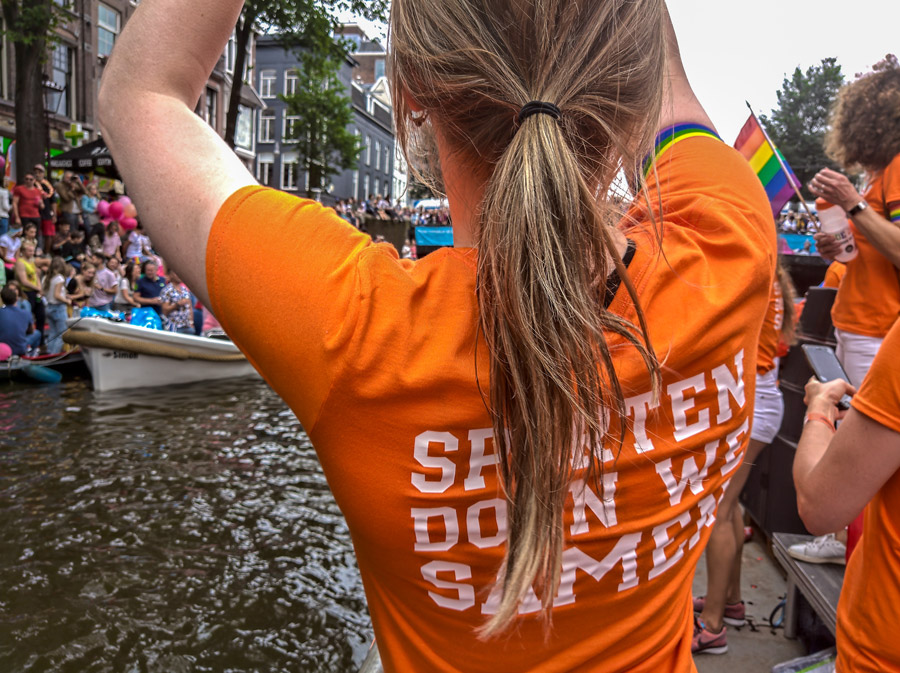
(537, 107)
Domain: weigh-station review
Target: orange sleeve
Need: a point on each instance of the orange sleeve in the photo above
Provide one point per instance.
(892, 190)
(283, 279)
(697, 177)
(879, 395)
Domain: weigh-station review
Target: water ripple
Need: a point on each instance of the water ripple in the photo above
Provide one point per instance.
(187, 530)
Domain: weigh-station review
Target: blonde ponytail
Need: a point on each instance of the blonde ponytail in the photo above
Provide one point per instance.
(544, 243)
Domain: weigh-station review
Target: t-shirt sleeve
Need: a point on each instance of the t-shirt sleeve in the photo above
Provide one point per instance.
(283, 280)
(879, 396)
(892, 190)
(700, 186)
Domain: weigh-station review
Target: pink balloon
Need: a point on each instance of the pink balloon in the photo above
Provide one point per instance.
(2, 163)
(105, 221)
(103, 208)
(116, 210)
(5, 352)
(128, 223)
(124, 200)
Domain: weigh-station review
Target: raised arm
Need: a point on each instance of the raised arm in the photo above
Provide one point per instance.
(835, 188)
(156, 75)
(680, 105)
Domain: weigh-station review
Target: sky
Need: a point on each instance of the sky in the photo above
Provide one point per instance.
(736, 51)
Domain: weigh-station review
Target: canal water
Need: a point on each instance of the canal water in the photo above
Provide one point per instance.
(169, 530)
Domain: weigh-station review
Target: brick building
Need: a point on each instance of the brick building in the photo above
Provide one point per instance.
(75, 65)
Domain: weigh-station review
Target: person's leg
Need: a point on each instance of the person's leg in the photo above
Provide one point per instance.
(4, 225)
(56, 316)
(724, 546)
(856, 353)
(39, 312)
(33, 340)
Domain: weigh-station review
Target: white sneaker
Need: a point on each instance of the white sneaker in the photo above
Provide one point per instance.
(824, 549)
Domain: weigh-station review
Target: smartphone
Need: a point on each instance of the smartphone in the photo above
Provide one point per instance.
(826, 367)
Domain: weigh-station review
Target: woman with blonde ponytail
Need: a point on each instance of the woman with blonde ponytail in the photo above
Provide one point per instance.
(528, 433)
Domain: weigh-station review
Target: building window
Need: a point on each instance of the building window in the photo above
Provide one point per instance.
(379, 69)
(377, 156)
(290, 82)
(354, 191)
(211, 99)
(243, 136)
(387, 161)
(368, 152)
(265, 169)
(62, 102)
(289, 131)
(267, 84)
(365, 194)
(230, 54)
(267, 126)
(109, 23)
(375, 190)
(289, 172)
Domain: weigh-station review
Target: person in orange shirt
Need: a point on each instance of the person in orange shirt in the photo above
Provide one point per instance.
(866, 133)
(528, 434)
(834, 275)
(722, 603)
(837, 474)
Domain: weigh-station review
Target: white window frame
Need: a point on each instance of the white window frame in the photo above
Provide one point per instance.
(267, 120)
(368, 151)
(288, 160)
(377, 155)
(355, 188)
(365, 187)
(267, 81)
(291, 82)
(285, 123)
(115, 30)
(265, 177)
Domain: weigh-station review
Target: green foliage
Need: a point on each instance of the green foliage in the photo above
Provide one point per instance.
(302, 25)
(799, 123)
(323, 114)
(30, 22)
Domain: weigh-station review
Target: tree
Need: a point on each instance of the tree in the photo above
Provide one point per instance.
(30, 27)
(323, 113)
(306, 25)
(799, 123)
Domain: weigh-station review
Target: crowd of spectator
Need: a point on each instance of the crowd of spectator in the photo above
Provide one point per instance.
(59, 257)
(791, 222)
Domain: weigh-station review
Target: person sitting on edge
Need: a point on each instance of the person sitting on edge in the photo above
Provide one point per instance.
(75, 251)
(81, 287)
(177, 306)
(515, 475)
(16, 330)
(150, 287)
(106, 285)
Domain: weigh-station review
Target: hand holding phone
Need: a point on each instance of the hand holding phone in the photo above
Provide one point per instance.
(827, 367)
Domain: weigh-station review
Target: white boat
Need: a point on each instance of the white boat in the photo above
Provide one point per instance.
(120, 356)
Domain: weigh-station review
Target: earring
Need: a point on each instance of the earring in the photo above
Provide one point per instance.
(418, 118)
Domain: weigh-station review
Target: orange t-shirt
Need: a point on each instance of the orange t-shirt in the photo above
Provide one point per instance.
(378, 358)
(869, 610)
(868, 300)
(834, 275)
(770, 335)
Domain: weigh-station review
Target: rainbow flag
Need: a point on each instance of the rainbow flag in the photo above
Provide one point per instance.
(752, 143)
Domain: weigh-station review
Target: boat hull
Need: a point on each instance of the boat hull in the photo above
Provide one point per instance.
(118, 368)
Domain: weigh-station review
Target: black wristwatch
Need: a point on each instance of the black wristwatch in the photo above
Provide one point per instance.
(858, 208)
